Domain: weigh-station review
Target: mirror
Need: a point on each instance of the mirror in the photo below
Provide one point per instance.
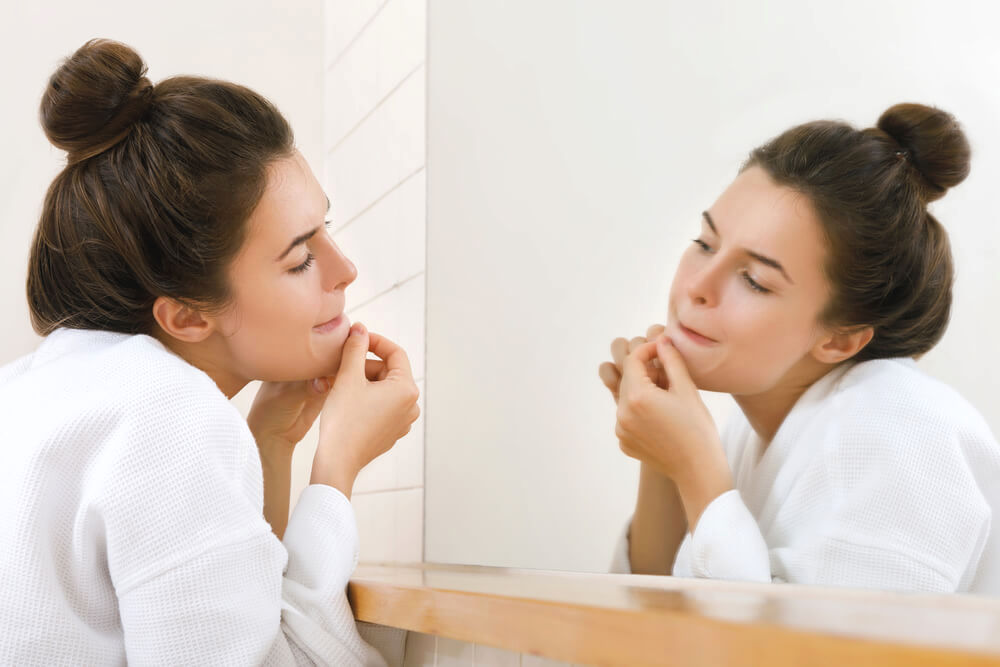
(572, 147)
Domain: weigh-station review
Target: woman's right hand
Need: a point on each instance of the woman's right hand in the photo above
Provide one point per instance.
(372, 404)
(611, 371)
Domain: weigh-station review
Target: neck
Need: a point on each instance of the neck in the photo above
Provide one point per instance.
(204, 356)
(767, 410)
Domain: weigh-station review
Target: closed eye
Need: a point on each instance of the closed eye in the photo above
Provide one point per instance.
(304, 265)
(753, 284)
(701, 244)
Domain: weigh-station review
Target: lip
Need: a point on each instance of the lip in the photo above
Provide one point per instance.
(330, 325)
(695, 336)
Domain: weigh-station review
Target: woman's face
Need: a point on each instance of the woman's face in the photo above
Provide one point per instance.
(745, 301)
(287, 318)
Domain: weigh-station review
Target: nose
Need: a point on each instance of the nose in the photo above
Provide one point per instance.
(337, 271)
(702, 287)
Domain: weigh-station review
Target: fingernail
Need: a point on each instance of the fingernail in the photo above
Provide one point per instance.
(320, 385)
(357, 329)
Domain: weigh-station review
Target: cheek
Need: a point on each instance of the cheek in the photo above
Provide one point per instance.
(271, 336)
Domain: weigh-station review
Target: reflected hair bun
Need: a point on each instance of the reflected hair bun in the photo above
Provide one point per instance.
(933, 142)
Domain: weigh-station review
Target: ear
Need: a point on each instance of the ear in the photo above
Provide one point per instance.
(180, 321)
(841, 345)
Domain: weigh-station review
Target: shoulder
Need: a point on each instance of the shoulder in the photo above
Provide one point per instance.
(888, 418)
(135, 397)
(896, 393)
(178, 407)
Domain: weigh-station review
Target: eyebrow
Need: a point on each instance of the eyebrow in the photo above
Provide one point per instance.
(302, 238)
(763, 259)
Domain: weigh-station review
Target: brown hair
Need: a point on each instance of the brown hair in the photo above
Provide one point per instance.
(889, 261)
(159, 183)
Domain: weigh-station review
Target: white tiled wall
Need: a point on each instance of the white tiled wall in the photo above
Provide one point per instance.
(374, 134)
(374, 174)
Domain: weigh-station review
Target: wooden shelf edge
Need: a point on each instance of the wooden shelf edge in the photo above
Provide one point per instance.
(655, 632)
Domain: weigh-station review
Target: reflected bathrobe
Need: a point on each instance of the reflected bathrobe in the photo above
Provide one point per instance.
(880, 477)
(132, 527)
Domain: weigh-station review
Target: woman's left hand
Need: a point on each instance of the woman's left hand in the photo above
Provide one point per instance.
(671, 429)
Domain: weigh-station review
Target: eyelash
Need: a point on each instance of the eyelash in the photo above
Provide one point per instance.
(304, 266)
(751, 283)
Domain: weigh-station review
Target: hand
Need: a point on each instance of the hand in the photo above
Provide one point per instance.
(611, 372)
(372, 404)
(283, 412)
(669, 427)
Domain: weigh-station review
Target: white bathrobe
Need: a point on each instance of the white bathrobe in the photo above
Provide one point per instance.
(880, 477)
(132, 528)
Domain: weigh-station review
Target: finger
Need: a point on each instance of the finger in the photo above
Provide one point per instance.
(610, 377)
(654, 331)
(414, 414)
(634, 369)
(619, 350)
(352, 359)
(673, 365)
(394, 356)
(375, 369)
(635, 343)
(311, 410)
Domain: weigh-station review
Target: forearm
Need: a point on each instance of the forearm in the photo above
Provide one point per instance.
(277, 468)
(658, 526)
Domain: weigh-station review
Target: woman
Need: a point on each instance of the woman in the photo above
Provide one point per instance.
(181, 254)
(818, 277)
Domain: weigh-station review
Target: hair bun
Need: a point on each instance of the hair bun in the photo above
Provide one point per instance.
(93, 99)
(934, 143)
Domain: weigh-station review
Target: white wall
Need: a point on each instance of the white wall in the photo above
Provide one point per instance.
(572, 145)
(271, 47)
(374, 140)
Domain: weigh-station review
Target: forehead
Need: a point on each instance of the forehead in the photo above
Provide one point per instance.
(292, 203)
(756, 213)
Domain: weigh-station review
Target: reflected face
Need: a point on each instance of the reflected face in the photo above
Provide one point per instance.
(747, 295)
(287, 318)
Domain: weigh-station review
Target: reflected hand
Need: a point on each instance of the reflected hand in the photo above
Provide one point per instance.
(611, 372)
(669, 428)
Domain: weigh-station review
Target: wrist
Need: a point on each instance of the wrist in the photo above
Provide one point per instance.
(702, 485)
(274, 450)
(341, 475)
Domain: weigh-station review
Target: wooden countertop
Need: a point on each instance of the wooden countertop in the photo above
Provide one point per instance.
(612, 619)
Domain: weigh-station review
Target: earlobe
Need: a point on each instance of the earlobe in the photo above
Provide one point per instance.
(181, 321)
(840, 346)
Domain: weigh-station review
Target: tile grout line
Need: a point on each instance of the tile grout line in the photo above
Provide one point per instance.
(371, 112)
(357, 36)
(377, 200)
(395, 285)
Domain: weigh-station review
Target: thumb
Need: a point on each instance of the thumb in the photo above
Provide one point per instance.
(352, 357)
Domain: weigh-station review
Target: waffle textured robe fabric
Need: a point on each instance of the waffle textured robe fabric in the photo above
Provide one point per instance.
(880, 477)
(132, 528)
